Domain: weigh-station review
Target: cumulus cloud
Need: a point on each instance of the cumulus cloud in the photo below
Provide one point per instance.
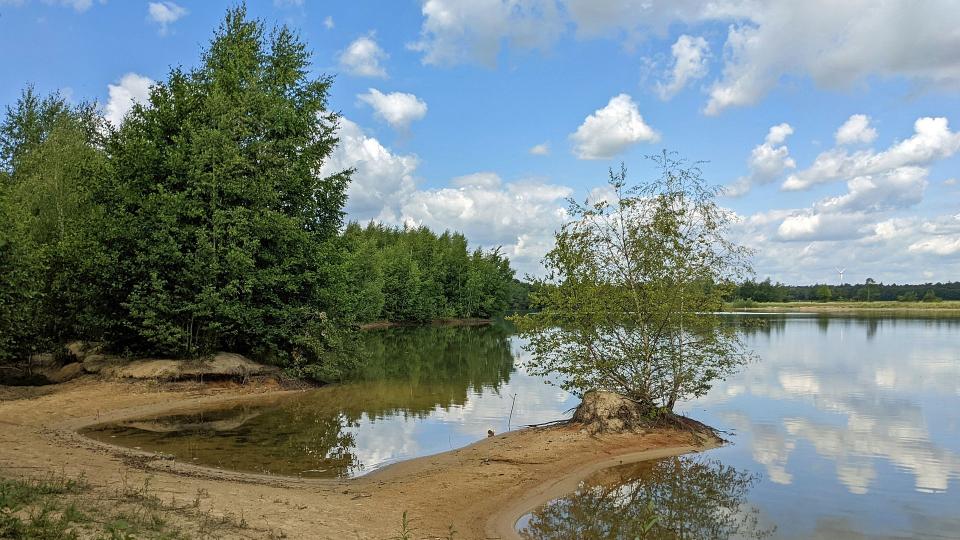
(610, 130)
(891, 39)
(396, 108)
(807, 245)
(165, 14)
(768, 161)
(765, 41)
(459, 31)
(690, 56)
(381, 177)
(872, 224)
(131, 89)
(363, 57)
(328, 22)
(941, 245)
(899, 188)
(932, 140)
(521, 216)
(542, 149)
(856, 130)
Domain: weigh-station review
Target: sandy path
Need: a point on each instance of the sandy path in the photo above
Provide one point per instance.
(480, 490)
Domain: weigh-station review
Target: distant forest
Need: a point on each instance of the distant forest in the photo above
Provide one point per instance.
(870, 290)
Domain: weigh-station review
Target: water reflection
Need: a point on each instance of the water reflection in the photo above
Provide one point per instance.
(854, 423)
(683, 497)
(859, 416)
(421, 391)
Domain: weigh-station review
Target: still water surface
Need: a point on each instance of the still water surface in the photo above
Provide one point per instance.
(847, 427)
(422, 391)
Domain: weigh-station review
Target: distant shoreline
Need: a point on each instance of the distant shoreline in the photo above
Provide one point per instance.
(946, 307)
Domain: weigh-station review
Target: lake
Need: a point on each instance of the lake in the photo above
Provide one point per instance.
(846, 427)
(422, 391)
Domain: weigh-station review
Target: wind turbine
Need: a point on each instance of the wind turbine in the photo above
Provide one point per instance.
(841, 271)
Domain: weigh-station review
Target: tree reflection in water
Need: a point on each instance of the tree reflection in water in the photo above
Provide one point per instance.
(406, 374)
(673, 498)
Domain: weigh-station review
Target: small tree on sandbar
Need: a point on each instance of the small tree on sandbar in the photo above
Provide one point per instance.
(632, 288)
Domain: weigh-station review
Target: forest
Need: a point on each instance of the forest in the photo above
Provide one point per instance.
(868, 291)
(200, 223)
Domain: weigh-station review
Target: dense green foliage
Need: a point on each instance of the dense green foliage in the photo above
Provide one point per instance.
(413, 274)
(868, 291)
(214, 195)
(200, 223)
(629, 301)
(50, 159)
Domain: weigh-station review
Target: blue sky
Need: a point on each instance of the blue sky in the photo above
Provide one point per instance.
(834, 125)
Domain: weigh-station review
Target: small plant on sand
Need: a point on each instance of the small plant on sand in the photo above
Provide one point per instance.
(406, 531)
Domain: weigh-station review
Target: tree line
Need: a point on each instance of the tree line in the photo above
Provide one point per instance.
(868, 291)
(201, 223)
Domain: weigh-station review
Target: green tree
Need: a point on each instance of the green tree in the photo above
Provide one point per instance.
(930, 296)
(225, 228)
(51, 157)
(822, 293)
(632, 286)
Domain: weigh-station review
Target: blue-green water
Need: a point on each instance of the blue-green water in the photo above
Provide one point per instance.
(422, 391)
(846, 428)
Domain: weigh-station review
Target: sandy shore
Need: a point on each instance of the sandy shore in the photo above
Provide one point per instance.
(480, 490)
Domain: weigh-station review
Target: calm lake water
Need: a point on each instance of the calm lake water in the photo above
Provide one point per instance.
(422, 391)
(846, 427)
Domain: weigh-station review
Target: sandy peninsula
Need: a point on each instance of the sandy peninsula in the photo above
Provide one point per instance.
(479, 491)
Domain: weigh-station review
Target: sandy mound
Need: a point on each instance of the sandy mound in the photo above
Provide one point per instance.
(220, 366)
(607, 412)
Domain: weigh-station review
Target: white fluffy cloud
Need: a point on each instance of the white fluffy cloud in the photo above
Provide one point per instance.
(889, 39)
(932, 140)
(381, 177)
(872, 225)
(690, 56)
(458, 31)
(765, 41)
(542, 149)
(768, 161)
(164, 14)
(132, 88)
(855, 130)
(520, 216)
(328, 22)
(610, 130)
(398, 109)
(939, 245)
(363, 58)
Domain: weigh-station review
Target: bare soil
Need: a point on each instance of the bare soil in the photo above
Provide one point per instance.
(480, 490)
